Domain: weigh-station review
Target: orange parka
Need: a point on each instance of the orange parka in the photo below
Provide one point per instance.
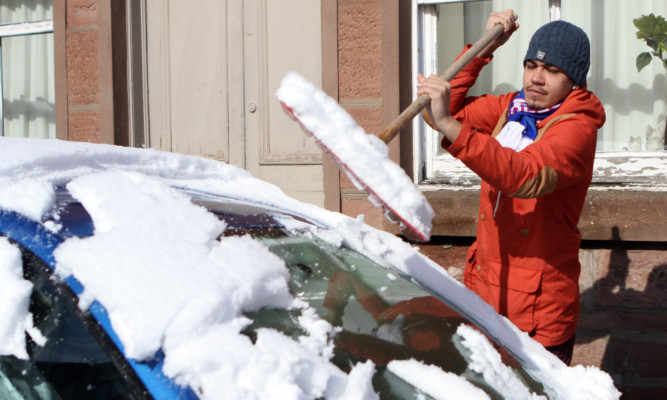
(525, 261)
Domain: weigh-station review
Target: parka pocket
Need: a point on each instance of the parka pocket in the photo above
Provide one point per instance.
(513, 292)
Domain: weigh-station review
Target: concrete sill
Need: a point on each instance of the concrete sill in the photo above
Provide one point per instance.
(633, 213)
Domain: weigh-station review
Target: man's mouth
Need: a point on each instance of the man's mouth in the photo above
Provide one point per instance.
(536, 90)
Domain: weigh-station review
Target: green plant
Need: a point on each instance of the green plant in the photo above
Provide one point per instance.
(653, 30)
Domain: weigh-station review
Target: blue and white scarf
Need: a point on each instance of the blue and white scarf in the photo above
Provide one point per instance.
(521, 128)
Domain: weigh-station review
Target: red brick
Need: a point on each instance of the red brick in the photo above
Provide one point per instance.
(84, 127)
(589, 349)
(373, 216)
(632, 278)
(367, 117)
(83, 87)
(82, 13)
(360, 49)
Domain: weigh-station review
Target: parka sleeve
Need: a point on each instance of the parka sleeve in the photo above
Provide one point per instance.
(464, 107)
(563, 157)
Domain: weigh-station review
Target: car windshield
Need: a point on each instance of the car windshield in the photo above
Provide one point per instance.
(383, 315)
(72, 364)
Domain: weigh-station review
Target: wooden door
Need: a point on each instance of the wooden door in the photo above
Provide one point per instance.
(213, 69)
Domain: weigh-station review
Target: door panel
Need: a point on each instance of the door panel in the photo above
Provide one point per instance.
(280, 37)
(213, 70)
(188, 70)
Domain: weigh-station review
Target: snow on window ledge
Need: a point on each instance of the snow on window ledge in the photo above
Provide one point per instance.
(616, 169)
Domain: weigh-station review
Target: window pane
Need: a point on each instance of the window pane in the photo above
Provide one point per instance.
(28, 86)
(14, 11)
(633, 100)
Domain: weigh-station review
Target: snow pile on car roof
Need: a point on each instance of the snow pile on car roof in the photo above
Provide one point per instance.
(167, 283)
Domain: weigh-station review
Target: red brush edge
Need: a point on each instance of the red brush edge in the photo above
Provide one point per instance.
(407, 229)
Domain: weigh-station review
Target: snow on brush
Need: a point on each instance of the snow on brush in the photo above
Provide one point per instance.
(365, 158)
(189, 299)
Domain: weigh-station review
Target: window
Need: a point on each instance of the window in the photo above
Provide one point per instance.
(27, 69)
(631, 143)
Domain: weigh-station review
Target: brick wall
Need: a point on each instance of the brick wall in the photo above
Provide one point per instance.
(83, 89)
(84, 70)
(360, 77)
(623, 325)
(368, 84)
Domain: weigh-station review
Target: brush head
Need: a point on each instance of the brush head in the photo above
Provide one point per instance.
(362, 157)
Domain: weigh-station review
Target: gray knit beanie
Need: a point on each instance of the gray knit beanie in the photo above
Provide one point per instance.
(564, 45)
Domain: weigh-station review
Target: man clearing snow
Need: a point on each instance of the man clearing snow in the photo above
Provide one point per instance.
(534, 151)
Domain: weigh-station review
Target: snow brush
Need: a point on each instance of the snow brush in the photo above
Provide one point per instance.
(365, 158)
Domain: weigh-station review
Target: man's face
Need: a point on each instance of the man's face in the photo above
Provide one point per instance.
(544, 85)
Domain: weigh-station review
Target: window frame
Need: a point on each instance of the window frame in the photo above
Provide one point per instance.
(618, 169)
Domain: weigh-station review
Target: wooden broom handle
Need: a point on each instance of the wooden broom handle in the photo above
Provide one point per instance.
(422, 101)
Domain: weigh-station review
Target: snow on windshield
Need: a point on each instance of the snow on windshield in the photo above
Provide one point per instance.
(15, 318)
(166, 282)
(183, 291)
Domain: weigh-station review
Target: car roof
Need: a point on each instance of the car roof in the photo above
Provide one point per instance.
(240, 215)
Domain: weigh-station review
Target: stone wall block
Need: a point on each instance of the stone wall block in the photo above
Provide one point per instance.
(81, 13)
(83, 68)
(84, 127)
(360, 49)
(368, 116)
(632, 278)
(636, 361)
(373, 216)
(590, 347)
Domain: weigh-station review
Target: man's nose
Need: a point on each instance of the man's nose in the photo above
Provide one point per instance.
(538, 76)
